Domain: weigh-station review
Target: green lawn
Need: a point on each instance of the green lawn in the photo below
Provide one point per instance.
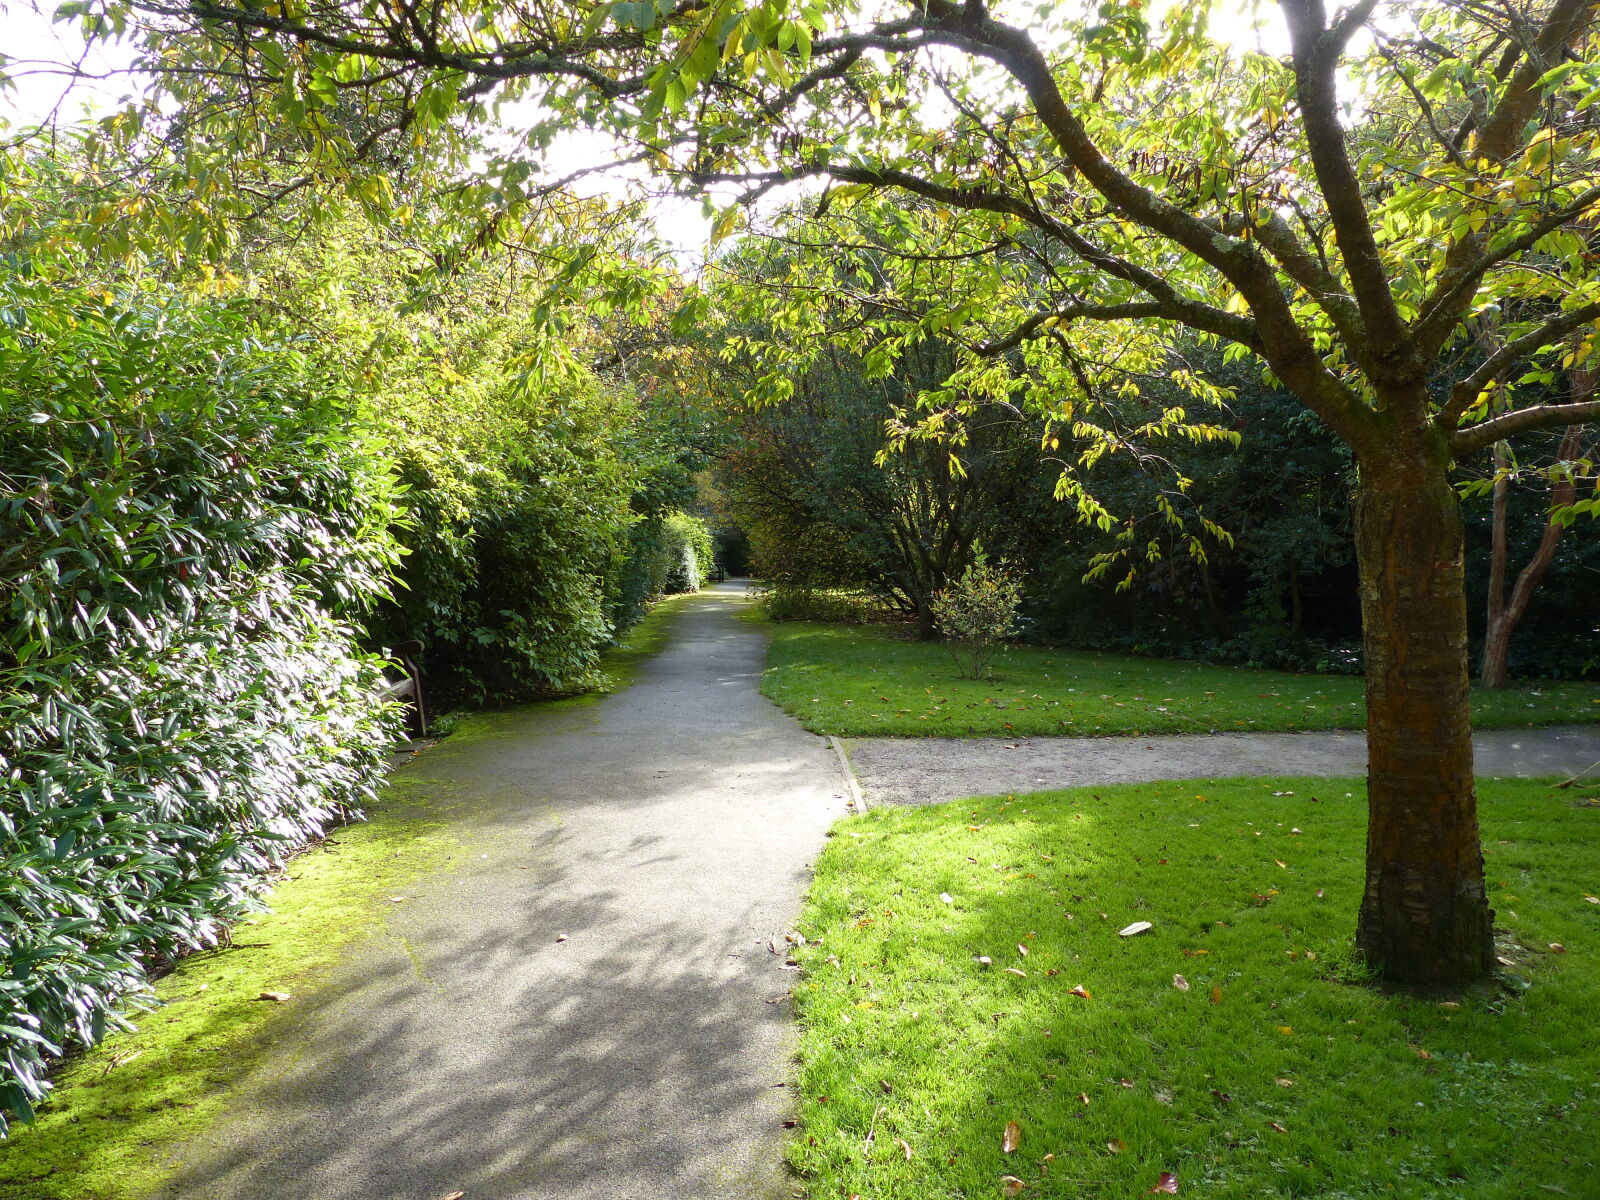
(1275, 1072)
(866, 681)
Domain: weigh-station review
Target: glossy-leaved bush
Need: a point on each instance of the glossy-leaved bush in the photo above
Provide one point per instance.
(187, 533)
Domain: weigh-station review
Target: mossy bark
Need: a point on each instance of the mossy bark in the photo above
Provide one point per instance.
(1425, 917)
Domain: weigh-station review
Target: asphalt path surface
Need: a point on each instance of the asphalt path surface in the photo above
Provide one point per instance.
(591, 1001)
(931, 770)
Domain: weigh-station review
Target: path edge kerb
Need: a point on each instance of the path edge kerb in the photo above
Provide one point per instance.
(858, 798)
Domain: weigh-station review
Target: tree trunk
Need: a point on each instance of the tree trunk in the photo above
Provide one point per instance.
(1425, 917)
(1504, 616)
(1496, 633)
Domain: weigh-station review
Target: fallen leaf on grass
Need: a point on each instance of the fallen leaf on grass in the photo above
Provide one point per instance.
(1080, 991)
(1167, 1183)
(1011, 1185)
(1011, 1138)
(947, 897)
(1557, 948)
(1116, 1145)
(1083, 1097)
(1276, 1128)
(275, 996)
(1216, 994)
(1286, 1030)
(1135, 929)
(1281, 1082)
(905, 1147)
(1179, 982)
(1022, 950)
(1593, 899)
(1015, 971)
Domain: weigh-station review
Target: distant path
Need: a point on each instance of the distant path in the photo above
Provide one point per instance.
(928, 770)
(667, 831)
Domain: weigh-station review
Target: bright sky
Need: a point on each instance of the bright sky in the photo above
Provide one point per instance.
(41, 53)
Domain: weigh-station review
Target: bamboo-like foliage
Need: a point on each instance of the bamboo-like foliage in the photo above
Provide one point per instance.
(186, 533)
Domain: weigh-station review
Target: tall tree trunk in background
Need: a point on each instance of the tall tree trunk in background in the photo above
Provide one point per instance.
(1425, 916)
(1504, 614)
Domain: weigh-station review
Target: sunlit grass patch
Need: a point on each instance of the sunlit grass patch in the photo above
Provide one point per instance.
(866, 681)
(1234, 1045)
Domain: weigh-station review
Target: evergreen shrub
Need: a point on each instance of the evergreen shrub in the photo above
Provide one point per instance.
(187, 532)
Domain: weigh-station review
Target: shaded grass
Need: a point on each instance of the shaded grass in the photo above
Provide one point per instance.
(863, 681)
(915, 1056)
(119, 1111)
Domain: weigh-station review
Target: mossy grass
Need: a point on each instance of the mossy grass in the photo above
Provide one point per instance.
(1236, 1044)
(872, 681)
(119, 1111)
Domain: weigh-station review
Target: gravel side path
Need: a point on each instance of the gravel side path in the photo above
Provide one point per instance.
(585, 1006)
(930, 770)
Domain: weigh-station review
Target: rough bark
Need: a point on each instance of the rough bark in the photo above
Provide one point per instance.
(1425, 917)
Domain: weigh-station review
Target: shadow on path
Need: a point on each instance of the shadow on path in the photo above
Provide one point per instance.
(585, 1004)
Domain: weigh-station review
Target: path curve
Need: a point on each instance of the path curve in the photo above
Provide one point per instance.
(667, 831)
(931, 770)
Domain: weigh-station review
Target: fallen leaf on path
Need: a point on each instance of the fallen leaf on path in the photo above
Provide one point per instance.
(454, 1196)
(275, 996)
(1167, 1183)
(1136, 928)
(561, 937)
(1179, 982)
(1011, 1138)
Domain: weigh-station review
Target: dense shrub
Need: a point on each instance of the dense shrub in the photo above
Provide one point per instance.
(185, 534)
(514, 531)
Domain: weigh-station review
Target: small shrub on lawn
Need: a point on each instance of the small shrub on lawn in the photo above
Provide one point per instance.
(975, 614)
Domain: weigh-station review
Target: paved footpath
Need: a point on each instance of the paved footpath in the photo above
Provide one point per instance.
(667, 832)
(929, 770)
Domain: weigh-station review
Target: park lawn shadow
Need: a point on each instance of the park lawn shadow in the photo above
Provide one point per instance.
(1235, 1044)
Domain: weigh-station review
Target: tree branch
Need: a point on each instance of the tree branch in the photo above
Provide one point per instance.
(1467, 390)
(1316, 54)
(1540, 416)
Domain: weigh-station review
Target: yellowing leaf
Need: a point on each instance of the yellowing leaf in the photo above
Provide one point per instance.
(1011, 1138)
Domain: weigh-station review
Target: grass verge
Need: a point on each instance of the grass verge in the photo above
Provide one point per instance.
(1233, 1045)
(118, 1111)
(864, 681)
